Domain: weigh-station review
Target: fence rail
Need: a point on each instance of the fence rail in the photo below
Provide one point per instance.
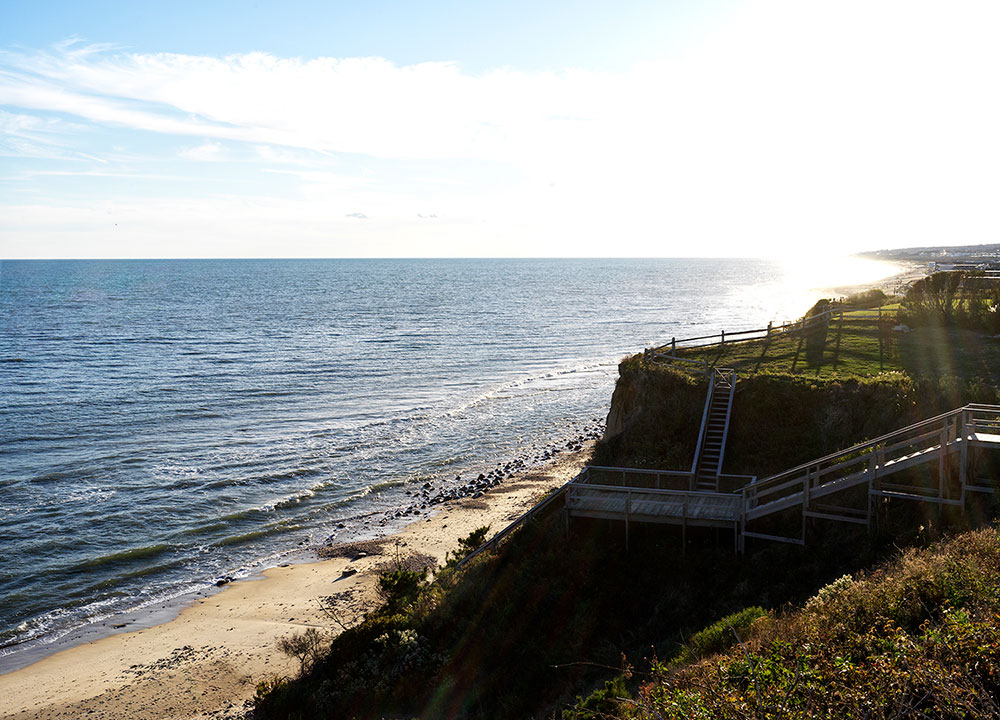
(669, 351)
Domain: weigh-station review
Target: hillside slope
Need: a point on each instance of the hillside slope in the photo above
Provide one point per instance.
(918, 637)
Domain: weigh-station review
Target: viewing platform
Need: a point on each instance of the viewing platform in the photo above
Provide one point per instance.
(777, 508)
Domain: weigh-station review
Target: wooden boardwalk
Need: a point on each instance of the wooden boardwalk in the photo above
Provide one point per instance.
(826, 488)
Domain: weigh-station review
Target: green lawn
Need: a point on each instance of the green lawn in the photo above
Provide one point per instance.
(859, 345)
(854, 345)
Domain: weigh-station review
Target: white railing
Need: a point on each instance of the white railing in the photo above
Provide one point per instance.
(667, 493)
(631, 503)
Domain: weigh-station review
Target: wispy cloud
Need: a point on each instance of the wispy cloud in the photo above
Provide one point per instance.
(206, 152)
(851, 123)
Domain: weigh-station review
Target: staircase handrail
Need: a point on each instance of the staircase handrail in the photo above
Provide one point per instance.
(859, 447)
(704, 426)
(584, 477)
(794, 474)
(729, 413)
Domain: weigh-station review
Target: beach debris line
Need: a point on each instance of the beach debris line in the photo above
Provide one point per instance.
(428, 495)
(425, 498)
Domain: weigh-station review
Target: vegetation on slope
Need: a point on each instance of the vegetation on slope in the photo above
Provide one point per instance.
(523, 631)
(779, 420)
(916, 638)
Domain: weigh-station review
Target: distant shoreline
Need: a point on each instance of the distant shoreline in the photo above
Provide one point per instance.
(891, 285)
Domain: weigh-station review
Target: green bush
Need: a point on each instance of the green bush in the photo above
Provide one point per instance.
(918, 637)
(604, 702)
(720, 635)
(466, 546)
(397, 588)
(868, 299)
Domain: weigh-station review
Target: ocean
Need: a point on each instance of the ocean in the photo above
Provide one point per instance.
(167, 423)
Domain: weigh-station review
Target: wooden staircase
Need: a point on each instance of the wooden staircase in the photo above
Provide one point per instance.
(817, 489)
(841, 487)
(711, 447)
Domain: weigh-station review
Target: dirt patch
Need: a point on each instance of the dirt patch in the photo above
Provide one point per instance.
(473, 504)
(353, 550)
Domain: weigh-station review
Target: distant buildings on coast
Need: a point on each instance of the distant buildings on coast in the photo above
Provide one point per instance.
(981, 258)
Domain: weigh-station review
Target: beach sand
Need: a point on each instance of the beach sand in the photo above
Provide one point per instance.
(206, 662)
(897, 284)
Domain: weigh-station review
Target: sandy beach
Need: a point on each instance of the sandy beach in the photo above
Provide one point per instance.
(206, 662)
(896, 284)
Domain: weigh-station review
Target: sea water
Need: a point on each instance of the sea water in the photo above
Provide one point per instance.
(166, 423)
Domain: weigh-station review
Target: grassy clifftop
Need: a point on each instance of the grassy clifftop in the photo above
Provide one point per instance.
(779, 420)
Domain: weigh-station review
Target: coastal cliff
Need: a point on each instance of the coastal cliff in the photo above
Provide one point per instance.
(561, 604)
(779, 420)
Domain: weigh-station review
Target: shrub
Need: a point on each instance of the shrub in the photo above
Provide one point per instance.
(307, 647)
(398, 588)
(919, 637)
(603, 703)
(868, 299)
(466, 546)
(721, 635)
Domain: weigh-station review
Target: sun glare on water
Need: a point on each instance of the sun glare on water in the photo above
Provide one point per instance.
(806, 280)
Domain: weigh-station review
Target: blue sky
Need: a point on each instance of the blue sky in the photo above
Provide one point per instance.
(480, 35)
(319, 129)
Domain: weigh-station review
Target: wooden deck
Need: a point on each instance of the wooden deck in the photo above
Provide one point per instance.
(809, 488)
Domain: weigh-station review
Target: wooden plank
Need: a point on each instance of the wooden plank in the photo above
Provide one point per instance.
(840, 510)
(919, 498)
(773, 507)
(981, 489)
(837, 518)
(936, 434)
(777, 538)
(652, 520)
(760, 490)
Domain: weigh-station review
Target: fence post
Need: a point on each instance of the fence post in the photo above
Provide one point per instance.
(673, 346)
(684, 526)
(628, 509)
(942, 456)
(723, 338)
(743, 518)
(964, 453)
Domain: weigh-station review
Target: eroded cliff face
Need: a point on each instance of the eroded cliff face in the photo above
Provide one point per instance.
(654, 417)
(778, 421)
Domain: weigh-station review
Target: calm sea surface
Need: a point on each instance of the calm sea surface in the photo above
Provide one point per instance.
(164, 423)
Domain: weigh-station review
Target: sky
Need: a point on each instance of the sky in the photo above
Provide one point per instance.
(705, 128)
